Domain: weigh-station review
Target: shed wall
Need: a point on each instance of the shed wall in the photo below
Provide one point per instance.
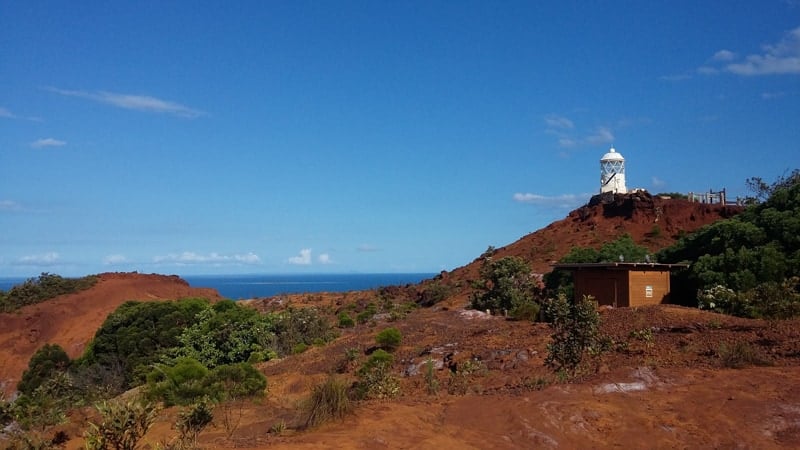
(639, 281)
(608, 287)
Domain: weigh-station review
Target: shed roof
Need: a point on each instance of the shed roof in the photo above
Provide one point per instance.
(620, 266)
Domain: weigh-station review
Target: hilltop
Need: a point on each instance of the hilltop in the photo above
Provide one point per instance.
(71, 320)
(671, 377)
(652, 221)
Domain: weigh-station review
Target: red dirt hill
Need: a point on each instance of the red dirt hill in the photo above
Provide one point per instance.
(652, 222)
(71, 320)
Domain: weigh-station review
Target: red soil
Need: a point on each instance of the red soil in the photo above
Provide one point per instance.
(663, 384)
(71, 320)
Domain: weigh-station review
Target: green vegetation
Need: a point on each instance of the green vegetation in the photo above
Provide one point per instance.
(329, 400)
(43, 365)
(345, 321)
(375, 379)
(137, 334)
(741, 354)
(576, 332)
(191, 421)
(123, 424)
(47, 286)
(389, 339)
(507, 285)
(748, 265)
(462, 380)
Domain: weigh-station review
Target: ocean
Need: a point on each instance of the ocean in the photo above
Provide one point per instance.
(238, 287)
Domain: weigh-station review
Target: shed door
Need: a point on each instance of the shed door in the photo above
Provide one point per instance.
(604, 290)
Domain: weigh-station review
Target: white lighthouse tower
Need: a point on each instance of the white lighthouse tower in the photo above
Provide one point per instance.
(612, 173)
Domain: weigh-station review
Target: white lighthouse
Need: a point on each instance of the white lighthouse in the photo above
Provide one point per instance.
(612, 173)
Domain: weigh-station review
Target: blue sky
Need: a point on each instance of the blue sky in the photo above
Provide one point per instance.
(377, 136)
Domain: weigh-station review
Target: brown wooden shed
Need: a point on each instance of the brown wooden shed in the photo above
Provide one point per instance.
(622, 284)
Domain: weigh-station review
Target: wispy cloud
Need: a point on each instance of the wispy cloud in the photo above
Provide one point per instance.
(780, 58)
(367, 248)
(724, 55)
(112, 260)
(772, 95)
(324, 258)
(567, 137)
(10, 205)
(556, 121)
(658, 182)
(302, 259)
(44, 259)
(558, 201)
(675, 77)
(213, 258)
(48, 142)
(5, 113)
(135, 102)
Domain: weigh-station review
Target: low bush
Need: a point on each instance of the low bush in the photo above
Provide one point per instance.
(47, 286)
(345, 321)
(389, 339)
(329, 400)
(575, 327)
(741, 354)
(375, 379)
(123, 424)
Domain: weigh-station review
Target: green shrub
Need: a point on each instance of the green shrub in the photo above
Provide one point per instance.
(369, 311)
(123, 424)
(375, 379)
(329, 400)
(389, 338)
(180, 384)
(191, 421)
(47, 286)
(345, 321)
(46, 362)
(137, 334)
(741, 354)
(298, 348)
(575, 327)
(235, 381)
(462, 379)
(506, 284)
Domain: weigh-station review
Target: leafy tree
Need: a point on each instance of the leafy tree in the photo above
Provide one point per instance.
(235, 381)
(575, 328)
(300, 326)
(760, 245)
(226, 333)
(506, 284)
(137, 334)
(43, 365)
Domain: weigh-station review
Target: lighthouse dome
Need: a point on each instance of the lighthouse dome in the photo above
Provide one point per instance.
(612, 155)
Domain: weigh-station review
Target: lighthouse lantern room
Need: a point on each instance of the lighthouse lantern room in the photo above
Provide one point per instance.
(612, 173)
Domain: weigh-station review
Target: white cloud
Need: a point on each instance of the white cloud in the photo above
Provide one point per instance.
(367, 248)
(602, 135)
(707, 70)
(775, 59)
(724, 55)
(7, 114)
(45, 259)
(560, 201)
(48, 142)
(568, 137)
(324, 258)
(772, 95)
(213, 258)
(658, 182)
(676, 77)
(556, 121)
(303, 259)
(9, 205)
(135, 102)
(112, 260)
